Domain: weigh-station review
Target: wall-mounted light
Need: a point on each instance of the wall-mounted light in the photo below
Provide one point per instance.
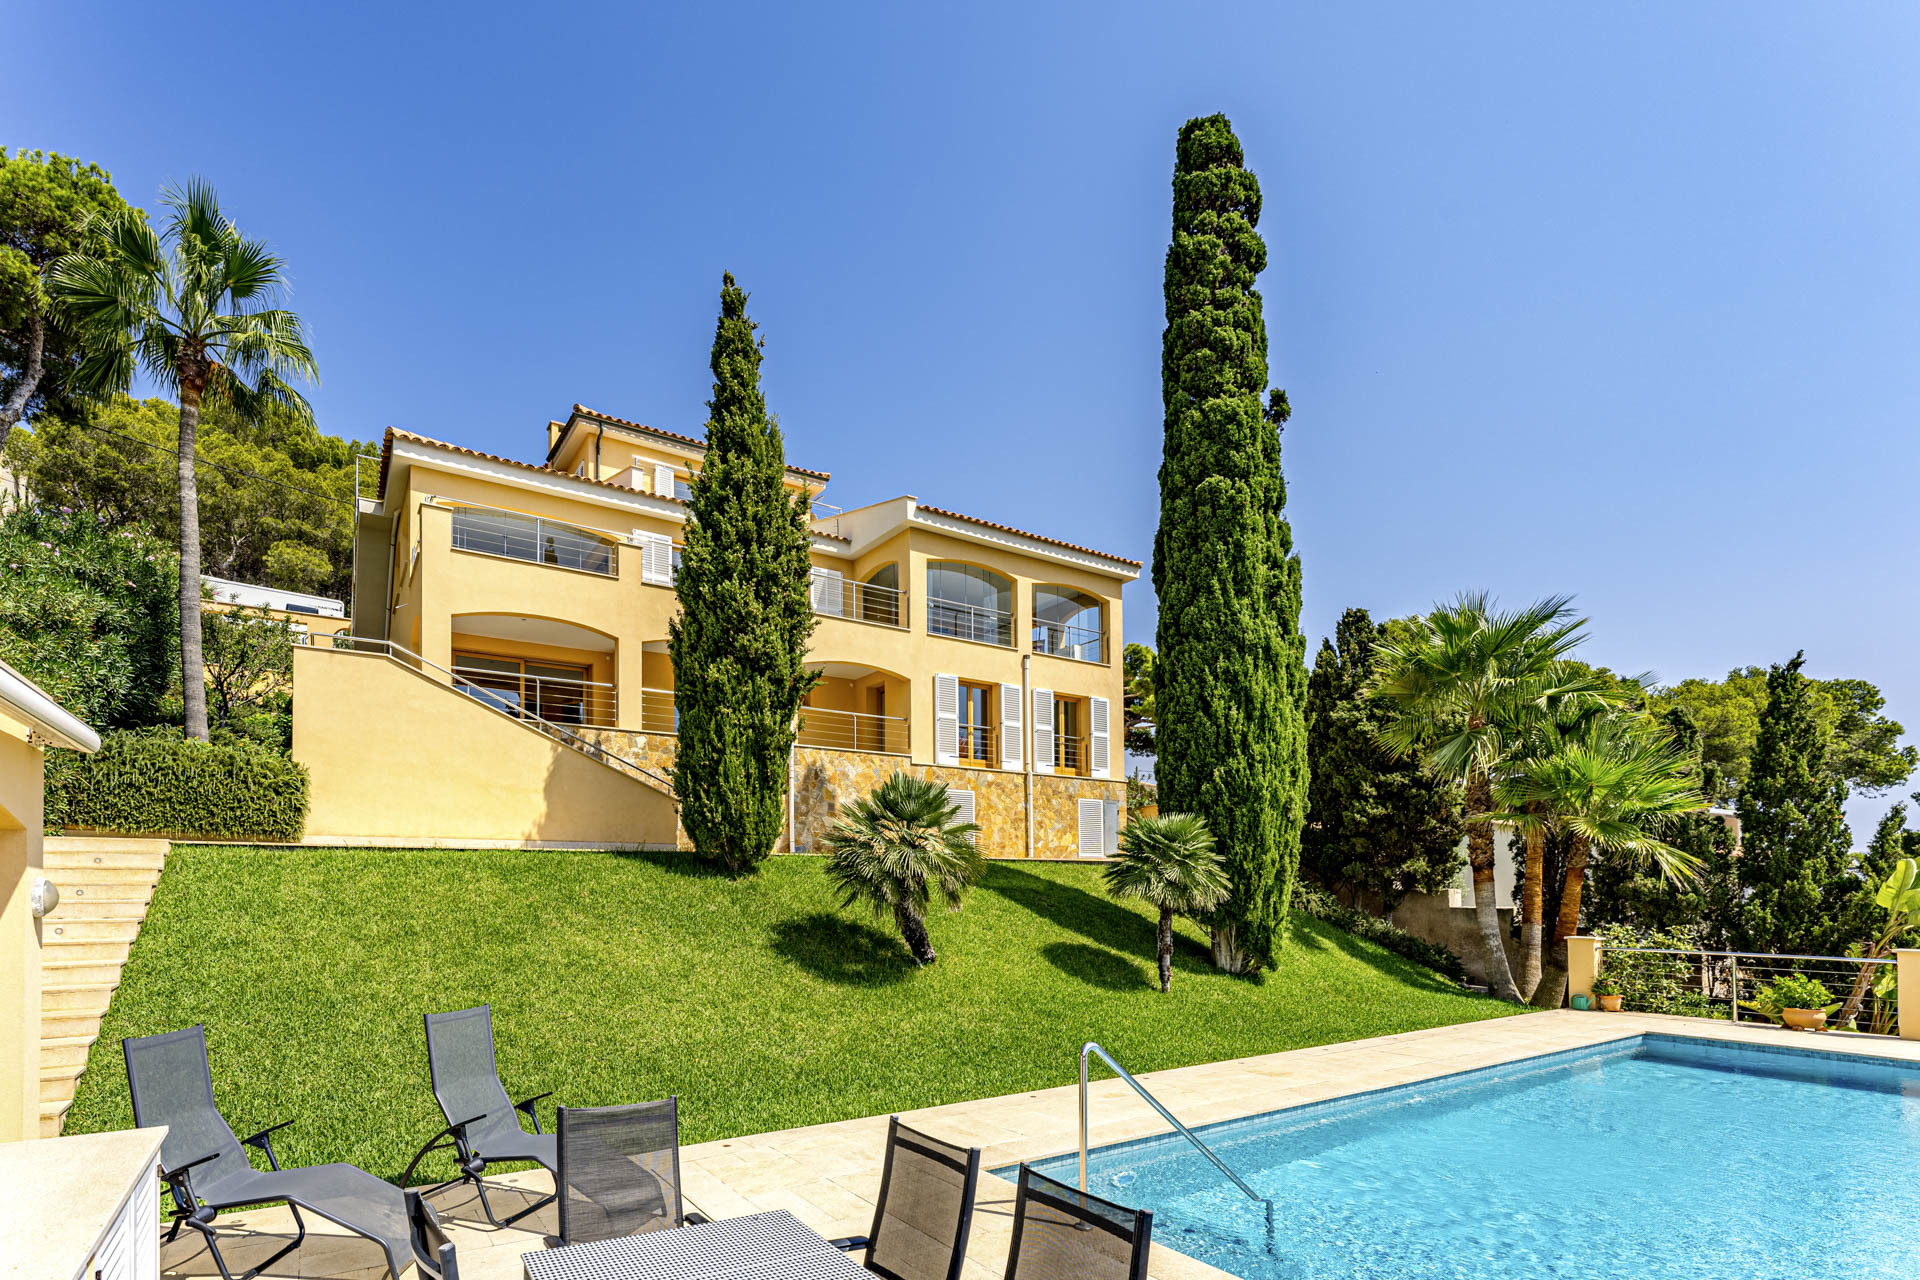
(44, 897)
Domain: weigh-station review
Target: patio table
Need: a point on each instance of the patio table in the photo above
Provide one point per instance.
(764, 1246)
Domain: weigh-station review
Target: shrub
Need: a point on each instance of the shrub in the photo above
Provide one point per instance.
(161, 783)
(1607, 985)
(1321, 905)
(1795, 991)
(1655, 983)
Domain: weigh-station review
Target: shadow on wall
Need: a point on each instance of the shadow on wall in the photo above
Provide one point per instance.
(847, 953)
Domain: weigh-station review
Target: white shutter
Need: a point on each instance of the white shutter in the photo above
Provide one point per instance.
(962, 801)
(662, 480)
(827, 588)
(1093, 839)
(946, 719)
(1099, 747)
(1043, 731)
(656, 557)
(1010, 734)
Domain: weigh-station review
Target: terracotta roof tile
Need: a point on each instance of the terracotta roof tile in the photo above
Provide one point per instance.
(581, 410)
(1037, 537)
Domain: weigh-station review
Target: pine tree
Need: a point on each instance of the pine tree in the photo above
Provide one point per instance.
(1230, 678)
(1795, 846)
(740, 640)
(1376, 826)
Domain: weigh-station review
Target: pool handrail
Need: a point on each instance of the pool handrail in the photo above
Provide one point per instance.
(1168, 1116)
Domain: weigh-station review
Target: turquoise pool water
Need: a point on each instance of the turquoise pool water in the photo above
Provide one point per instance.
(1657, 1158)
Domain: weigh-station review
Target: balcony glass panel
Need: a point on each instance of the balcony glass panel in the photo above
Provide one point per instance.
(1068, 624)
(969, 602)
(541, 541)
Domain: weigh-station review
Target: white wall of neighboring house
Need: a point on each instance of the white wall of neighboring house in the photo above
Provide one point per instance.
(1507, 851)
(273, 598)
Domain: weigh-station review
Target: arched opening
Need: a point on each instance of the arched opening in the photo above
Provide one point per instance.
(880, 597)
(1069, 624)
(853, 707)
(969, 602)
(540, 668)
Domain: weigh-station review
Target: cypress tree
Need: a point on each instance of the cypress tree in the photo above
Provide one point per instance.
(1230, 680)
(1377, 828)
(1795, 849)
(740, 640)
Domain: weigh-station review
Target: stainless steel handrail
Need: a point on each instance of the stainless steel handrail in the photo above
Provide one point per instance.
(1751, 955)
(1168, 1116)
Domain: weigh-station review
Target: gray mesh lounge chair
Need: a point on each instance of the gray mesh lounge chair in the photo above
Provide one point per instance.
(925, 1211)
(206, 1168)
(483, 1127)
(619, 1171)
(1062, 1233)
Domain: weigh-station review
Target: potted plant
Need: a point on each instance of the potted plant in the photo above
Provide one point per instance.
(1803, 1002)
(1607, 991)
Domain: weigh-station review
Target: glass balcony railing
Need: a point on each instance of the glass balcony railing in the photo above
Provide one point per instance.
(533, 538)
(837, 597)
(1063, 640)
(969, 622)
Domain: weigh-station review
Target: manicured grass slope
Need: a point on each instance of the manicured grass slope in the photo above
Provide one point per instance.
(618, 978)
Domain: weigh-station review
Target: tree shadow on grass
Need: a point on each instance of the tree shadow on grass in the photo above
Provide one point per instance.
(679, 862)
(846, 952)
(1098, 967)
(1317, 935)
(1095, 918)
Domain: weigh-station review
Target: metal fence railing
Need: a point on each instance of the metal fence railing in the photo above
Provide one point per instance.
(834, 596)
(1063, 640)
(1734, 984)
(852, 731)
(533, 538)
(555, 698)
(969, 622)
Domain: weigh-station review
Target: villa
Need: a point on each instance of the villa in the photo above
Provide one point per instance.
(508, 657)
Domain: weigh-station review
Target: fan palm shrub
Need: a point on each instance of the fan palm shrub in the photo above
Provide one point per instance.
(1169, 862)
(189, 306)
(1463, 687)
(893, 850)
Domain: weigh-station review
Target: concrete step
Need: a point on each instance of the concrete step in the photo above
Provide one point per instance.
(127, 845)
(67, 1051)
(88, 930)
(69, 1025)
(52, 1116)
(137, 892)
(91, 998)
(59, 1084)
(78, 973)
(109, 874)
(64, 950)
(77, 859)
(77, 909)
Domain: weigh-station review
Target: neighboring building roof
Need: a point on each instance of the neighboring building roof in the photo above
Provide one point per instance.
(29, 702)
(1037, 537)
(273, 598)
(580, 410)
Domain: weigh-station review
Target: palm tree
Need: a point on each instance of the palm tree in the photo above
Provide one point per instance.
(1169, 862)
(189, 307)
(893, 849)
(1610, 782)
(1463, 685)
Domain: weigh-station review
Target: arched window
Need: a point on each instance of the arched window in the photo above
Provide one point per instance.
(967, 601)
(880, 596)
(1069, 624)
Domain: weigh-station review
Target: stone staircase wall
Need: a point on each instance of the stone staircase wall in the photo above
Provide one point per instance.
(105, 886)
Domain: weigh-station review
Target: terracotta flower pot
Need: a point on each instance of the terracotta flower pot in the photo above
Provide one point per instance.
(1611, 1004)
(1805, 1019)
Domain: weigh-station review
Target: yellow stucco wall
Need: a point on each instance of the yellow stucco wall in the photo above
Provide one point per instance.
(20, 863)
(395, 755)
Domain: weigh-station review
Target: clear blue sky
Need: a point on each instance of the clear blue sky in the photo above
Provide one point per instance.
(1614, 300)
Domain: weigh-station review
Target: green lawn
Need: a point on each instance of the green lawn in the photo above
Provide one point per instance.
(623, 977)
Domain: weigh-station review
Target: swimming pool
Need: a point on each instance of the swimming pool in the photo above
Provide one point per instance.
(1654, 1158)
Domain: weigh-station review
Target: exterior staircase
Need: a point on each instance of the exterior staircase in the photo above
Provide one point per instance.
(105, 885)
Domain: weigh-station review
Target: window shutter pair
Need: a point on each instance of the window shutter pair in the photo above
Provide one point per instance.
(827, 589)
(946, 719)
(656, 557)
(662, 480)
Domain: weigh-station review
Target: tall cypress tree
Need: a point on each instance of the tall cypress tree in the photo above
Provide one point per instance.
(1795, 849)
(740, 641)
(1230, 680)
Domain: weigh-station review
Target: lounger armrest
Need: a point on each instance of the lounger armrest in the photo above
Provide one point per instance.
(264, 1141)
(180, 1170)
(527, 1106)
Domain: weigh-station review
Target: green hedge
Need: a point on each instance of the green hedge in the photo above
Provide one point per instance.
(1322, 905)
(163, 784)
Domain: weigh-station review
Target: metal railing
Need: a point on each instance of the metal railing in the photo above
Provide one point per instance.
(560, 733)
(533, 538)
(554, 698)
(976, 745)
(833, 596)
(1702, 983)
(969, 622)
(852, 731)
(1060, 640)
(1090, 1047)
(1069, 753)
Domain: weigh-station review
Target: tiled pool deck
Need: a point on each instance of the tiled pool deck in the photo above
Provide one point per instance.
(827, 1175)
